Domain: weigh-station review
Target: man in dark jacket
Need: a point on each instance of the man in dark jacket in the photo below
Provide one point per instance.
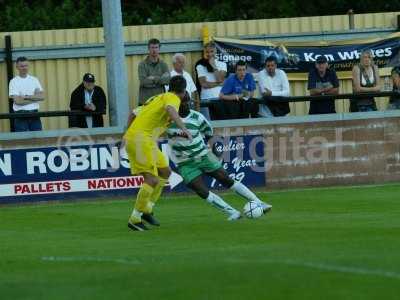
(88, 97)
(322, 81)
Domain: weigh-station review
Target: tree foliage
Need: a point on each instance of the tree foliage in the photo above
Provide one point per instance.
(18, 15)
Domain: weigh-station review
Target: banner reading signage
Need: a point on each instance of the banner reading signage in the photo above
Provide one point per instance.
(93, 170)
(297, 58)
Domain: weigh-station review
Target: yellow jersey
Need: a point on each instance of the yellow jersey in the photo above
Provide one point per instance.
(153, 119)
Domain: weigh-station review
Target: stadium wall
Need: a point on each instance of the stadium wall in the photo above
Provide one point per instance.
(318, 150)
(341, 149)
(60, 76)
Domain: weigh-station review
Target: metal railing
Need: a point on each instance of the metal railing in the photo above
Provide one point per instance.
(205, 103)
(56, 113)
(282, 99)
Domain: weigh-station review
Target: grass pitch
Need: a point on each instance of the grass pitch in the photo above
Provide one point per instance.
(336, 243)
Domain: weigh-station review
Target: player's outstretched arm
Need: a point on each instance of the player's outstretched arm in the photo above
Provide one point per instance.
(131, 117)
(173, 114)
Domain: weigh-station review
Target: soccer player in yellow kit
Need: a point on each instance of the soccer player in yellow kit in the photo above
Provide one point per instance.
(145, 157)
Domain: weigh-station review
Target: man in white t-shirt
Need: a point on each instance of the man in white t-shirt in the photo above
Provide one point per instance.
(178, 63)
(210, 75)
(26, 91)
(273, 82)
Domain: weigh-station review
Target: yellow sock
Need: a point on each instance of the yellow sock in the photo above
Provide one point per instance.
(143, 203)
(136, 217)
(158, 190)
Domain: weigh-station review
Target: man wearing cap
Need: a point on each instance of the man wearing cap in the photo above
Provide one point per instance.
(88, 97)
(322, 81)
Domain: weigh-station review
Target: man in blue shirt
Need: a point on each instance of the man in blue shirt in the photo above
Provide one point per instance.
(237, 93)
(322, 81)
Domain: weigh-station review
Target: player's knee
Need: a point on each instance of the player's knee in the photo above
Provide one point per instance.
(164, 173)
(202, 194)
(151, 180)
(154, 181)
(222, 177)
(227, 182)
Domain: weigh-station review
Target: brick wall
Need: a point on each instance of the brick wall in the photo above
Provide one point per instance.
(314, 151)
(328, 153)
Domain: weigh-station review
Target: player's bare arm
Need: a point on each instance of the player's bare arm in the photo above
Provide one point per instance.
(131, 117)
(38, 95)
(21, 100)
(175, 117)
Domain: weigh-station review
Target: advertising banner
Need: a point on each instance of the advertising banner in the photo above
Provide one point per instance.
(84, 171)
(297, 58)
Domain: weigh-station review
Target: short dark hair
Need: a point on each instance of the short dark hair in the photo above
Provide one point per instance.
(209, 45)
(240, 63)
(153, 42)
(21, 59)
(177, 84)
(186, 98)
(396, 70)
(321, 59)
(271, 58)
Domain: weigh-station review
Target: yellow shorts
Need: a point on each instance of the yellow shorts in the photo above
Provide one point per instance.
(144, 155)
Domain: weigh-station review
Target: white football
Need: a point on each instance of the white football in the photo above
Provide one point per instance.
(253, 210)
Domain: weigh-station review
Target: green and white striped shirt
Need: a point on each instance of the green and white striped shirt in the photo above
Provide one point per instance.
(182, 149)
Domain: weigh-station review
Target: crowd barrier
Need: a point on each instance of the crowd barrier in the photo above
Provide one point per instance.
(349, 96)
(67, 113)
(55, 113)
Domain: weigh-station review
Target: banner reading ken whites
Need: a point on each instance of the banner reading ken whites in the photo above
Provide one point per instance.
(84, 171)
(297, 58)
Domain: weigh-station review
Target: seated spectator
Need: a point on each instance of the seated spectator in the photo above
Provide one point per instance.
(26, 91)
(237, 94)
(273, 82)
(394, 101)
(178, 63)
(365, 79)
(153, 73)
(322, 81)
(87, 97)
(210, 75)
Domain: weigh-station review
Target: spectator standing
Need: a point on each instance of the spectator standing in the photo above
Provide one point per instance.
(88, 97)
(210, 77)
(394, 101)
(178, 63)
(26, 92)
(273, 82)
(322, 81)
(153, 73)
(237, 94)
(365, 79)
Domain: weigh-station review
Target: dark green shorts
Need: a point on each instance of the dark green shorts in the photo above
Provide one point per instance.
(193, 168)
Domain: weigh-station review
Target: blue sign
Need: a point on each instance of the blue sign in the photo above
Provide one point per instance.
(300, 57)
(84, 171)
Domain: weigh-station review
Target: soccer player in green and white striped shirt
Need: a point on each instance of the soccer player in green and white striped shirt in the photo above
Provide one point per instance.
(194, 158)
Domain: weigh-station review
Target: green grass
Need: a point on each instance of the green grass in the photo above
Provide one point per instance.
(336, 243)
